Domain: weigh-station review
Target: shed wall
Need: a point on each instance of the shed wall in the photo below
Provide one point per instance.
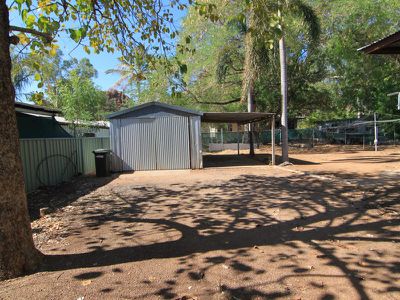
(196, 148)
(155, 141)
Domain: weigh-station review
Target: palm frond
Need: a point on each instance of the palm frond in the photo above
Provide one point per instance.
(309, 17)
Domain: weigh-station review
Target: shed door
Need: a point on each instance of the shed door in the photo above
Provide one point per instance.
(155, 143)
(172, 143)
(138, 146)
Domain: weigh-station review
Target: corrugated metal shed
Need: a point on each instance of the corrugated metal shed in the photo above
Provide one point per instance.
(155, 136)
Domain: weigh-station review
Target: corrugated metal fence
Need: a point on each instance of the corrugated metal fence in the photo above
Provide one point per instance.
(52, 161)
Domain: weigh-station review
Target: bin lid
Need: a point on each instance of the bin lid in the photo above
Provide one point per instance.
(101, 151)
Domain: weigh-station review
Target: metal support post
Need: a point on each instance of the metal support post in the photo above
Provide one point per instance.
(376, 134)
(238, 138)
(273, 140)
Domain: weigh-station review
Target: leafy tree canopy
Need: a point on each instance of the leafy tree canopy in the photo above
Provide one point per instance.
(328, 79)
(79, 98)
(100, 25)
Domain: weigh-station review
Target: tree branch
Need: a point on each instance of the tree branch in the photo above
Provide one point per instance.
(46, 36)
(194, 96)
(219, 103)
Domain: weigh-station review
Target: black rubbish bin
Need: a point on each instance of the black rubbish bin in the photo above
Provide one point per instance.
(102, 160)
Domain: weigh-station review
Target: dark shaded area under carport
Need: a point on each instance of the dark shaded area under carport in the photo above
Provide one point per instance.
(230, 160)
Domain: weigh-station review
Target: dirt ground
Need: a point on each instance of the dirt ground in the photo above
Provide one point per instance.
(326, 227)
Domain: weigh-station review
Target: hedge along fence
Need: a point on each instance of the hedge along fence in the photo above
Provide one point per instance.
(52, 161)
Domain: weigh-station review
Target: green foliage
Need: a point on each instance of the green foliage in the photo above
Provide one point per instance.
(21, 75)
(132, 71)
(193, 80)
(124, 25)
(208, 67)
(48, 71)
(327, 79)
(79, 98)
(358, 83)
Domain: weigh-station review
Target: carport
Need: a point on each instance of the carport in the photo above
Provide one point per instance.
(241, 118)
(159, 136)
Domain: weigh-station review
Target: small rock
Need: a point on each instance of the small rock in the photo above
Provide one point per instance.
(86, 282)
(44, 211)
(359, 277)
(299, 228)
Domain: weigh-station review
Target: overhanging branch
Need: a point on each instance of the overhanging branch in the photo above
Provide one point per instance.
(220, 103)
(46, 36)
(207, 102)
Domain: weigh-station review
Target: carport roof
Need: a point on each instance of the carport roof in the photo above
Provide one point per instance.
(387, 45)
(234, 117)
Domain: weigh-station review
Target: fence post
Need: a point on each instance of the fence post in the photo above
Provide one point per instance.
(363, 142)
(82, 157)
(273, 140)
(312, 142)
(238, 138)
(394, 132)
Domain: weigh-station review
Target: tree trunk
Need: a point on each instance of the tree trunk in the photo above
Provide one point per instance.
(249, 76)
(18, 254)
(251, 108)
(284, 92)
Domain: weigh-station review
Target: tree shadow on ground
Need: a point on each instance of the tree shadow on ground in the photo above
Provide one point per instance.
(61, 195)
(241, 217)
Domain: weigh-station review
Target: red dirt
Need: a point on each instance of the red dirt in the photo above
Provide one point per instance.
(326, 228)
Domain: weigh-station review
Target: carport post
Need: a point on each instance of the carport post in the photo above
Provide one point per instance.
(238, 138)
(375, 134)
(273, 140)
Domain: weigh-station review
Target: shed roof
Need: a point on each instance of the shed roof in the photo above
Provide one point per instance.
(38, 109)
(386, 45)
(234, 117)
(156, 104)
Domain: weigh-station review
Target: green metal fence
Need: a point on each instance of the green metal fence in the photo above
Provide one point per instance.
(52, 161)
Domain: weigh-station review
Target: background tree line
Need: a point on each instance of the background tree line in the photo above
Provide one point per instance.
(328, 79)
(65, 84)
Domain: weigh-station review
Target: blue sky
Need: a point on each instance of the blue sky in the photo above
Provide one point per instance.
(102, 62)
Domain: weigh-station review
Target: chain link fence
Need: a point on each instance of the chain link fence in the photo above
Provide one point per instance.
(309, 137)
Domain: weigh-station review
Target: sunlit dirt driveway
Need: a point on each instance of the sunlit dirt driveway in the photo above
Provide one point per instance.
(254, 232)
